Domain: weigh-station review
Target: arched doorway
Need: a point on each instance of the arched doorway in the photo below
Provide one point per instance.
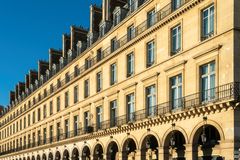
(28, 158)
(50, 156)
(24, 158)
(75, 154)
(205, 143)
(149, 148)
(174, 146)
(129, 149)
(98, 152)
(38, 157)
(112, 151)
(86, 153)
(66, 155)
(57, 155)
(33, 158)
(44, 157)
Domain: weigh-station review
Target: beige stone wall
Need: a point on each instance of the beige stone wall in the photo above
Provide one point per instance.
(194, 53)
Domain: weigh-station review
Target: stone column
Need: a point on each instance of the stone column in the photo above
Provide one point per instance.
(138, 154)
(160, 153)
(188, 151)
(227, 149)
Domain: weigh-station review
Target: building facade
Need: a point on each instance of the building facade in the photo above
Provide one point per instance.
(150, 79)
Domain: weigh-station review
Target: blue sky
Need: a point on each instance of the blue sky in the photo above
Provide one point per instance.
(28, 28)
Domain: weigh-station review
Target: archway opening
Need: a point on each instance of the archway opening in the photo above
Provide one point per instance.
(98, 152)
(33, 158)
(44, 157)
(206, 142)
(38, 157)
(174, 146)
(50, 156)
(149, 148)
(86, 153)
(129, 149)
(24, 158)
(75, 154)
(112, 151)
(57, 155)
(66, 155)
(28, 158)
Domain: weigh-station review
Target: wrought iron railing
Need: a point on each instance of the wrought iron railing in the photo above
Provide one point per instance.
(228, 92)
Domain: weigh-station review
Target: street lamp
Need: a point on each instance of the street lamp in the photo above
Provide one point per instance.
(172, 139)
(203, 136)
(148, 145)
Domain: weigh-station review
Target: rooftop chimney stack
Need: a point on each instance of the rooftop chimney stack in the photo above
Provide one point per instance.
(16, 92)
(12, 96)
(27, 81)
(54, 56)
(21, 88)
(43, 66)
(66, 44)
(33, 76)
(77, 34)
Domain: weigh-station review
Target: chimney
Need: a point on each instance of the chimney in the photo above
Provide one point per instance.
(66, 44)
(21, 88)
(43, 66)
(77, 34)
(33, 76)
(27, 81)
(54, 56)
(16, 91)
(1, 110)
(12, 96)
(95, 18)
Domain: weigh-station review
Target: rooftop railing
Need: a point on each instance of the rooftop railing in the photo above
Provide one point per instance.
(158, 16)
(227, 92)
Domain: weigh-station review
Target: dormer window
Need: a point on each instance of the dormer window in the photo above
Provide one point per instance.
(41, 79)
(31, 88)
(61, 62)
(102, 30)
(117, 16)
(36, 83)
(69, 55)
(132, 5)
(79, 48)
(54, 68)
(47, 74)
(89, 39)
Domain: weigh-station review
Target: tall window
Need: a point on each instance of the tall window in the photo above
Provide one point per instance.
(208, 81)
(150, 53)
(67, 128)
(151, 100)
(58, 131)
(99, 54)
(132, 5)
(44, 135)
(39, 114)
(44, 111)
(86, 120)
(176, 39)
(58, 103)
(76, 71)
(76, 121)
(113, 74)
(33, 139)
(33, 117)
(176, 4)
(176, 91)
(130, 64)
(51, 134)
(66, 99)
(87, 63)
(86, 88)
(113, 113)
(117, 17)
(130, 32)
(75, 94)
(99, 117)
(29, 119)
(151, 18)
(51, 107)
(67, 77)
(24, 122)
(99, 81)
(208, 22)
(130, 99)
(113, 44)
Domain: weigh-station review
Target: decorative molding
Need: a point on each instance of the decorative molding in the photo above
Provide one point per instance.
(215, 48)
(176, 65)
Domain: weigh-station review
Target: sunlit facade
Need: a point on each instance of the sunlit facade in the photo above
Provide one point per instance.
(149, 80)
